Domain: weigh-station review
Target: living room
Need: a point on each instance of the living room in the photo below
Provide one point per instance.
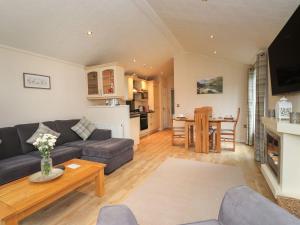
(149, 112)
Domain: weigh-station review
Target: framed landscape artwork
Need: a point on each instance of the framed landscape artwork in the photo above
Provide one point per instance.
(210, 86)
(36, 81)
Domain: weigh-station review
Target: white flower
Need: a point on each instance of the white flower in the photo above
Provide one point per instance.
(45, 143)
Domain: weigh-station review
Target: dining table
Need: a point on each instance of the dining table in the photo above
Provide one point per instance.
(213, 122)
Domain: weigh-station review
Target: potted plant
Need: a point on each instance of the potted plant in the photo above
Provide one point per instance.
(45, 144)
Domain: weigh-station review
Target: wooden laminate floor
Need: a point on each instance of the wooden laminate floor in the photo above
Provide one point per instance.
(81, 207)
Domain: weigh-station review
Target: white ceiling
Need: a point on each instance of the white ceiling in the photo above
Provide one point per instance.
(151, 31)
(241, 27)
(57, 28)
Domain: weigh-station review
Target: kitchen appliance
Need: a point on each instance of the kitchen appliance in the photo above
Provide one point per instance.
(131, 105)
(144, 121)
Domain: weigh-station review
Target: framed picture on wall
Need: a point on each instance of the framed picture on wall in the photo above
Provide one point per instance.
(210, 86)
(36, 81)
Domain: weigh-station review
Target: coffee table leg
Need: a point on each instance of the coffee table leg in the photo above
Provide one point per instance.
(100, 184)
(10, 221)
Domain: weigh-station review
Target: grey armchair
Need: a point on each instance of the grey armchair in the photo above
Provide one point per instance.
(240, 206)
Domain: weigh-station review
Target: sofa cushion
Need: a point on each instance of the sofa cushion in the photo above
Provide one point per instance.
(66, 133)
(60, 154)
(9, 144)
(206, 222)
(115, 162)
(107, 148)
(100, 134)
(42, 129)
(79, 144)
(17, 167)
(84, 128)
(25, 131)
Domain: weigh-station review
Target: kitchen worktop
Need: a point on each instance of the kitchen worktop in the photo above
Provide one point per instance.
(137, 114)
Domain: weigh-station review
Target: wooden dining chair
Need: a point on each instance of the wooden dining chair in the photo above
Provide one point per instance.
(178, 132)
(229, 135)
(202, 116)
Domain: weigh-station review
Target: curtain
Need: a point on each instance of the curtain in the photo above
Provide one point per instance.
(261, 68)
(251, 105)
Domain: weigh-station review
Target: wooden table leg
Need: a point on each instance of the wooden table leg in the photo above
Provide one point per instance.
(100, 183)
(186, 136)
(218, 138)
(10, 221)
(191, 134)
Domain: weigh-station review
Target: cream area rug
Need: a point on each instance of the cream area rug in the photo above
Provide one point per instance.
(182, 191)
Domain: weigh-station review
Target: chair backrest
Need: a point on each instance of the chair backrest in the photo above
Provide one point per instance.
(202, 116)
(237, 118)
(241, 205)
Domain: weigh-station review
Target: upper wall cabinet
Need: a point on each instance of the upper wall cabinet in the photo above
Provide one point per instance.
(105, 81)
(92, 78)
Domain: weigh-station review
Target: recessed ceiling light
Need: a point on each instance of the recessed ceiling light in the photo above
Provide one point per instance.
(212, 36)
(215, 52)
(89, 33)
(134, 60)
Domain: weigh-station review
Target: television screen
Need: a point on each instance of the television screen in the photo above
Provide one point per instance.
(284, 57)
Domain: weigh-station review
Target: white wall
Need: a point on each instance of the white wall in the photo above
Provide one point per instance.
(293, 97)
(66, 99)
(189, 68)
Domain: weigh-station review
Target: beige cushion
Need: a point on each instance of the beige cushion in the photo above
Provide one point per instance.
(84, 128)
(43, 129)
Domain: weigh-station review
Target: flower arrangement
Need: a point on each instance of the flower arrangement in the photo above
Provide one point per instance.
(45, 144)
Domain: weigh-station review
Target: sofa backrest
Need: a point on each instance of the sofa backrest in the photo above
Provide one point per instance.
(241, 205)
(9, 143)
(66, 133)
(25, 131)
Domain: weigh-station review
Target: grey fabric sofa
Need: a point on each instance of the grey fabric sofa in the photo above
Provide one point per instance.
(240, 206)
(19, 159)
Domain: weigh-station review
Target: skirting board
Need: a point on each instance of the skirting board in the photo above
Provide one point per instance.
(271, 180)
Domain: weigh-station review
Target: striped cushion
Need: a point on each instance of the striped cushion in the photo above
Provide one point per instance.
(84, 128)
(43, 129)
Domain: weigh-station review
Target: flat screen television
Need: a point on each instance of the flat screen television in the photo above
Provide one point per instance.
(284, 57)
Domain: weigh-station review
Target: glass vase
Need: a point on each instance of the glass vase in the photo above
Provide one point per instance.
(46, 166)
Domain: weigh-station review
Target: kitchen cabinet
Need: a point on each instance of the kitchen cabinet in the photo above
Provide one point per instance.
(135, 130)
(105, 81)
(130, 88)
(144, 85)
(153, 121)
(92, 83)
(151, 94)
(153, 124)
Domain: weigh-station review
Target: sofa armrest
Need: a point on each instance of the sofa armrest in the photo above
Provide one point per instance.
(241, 205)
(116, 215)
(100, 134)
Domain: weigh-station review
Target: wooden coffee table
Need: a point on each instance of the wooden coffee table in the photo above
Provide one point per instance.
(21, 198)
